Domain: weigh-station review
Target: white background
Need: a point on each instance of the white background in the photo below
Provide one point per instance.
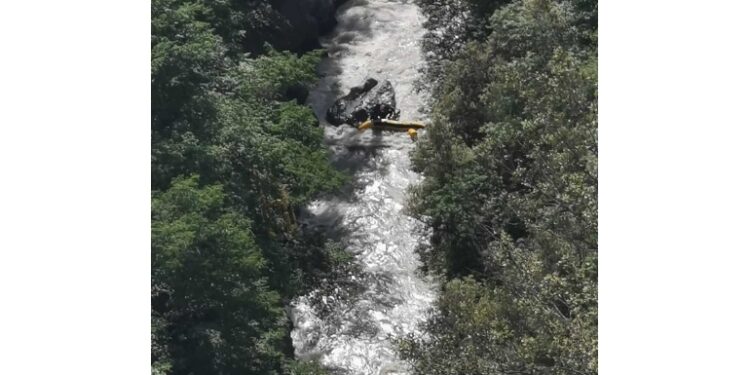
(75, 198)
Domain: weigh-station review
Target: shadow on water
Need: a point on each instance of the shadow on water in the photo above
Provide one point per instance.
(361, 25)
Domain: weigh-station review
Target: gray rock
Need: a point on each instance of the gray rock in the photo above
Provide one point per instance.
(370, 100)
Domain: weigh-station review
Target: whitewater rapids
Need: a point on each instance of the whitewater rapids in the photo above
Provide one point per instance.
(379, 39)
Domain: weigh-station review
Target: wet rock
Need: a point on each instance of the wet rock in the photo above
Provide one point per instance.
(370, 100)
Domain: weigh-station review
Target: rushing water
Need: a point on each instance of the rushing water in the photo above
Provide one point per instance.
(380, 39)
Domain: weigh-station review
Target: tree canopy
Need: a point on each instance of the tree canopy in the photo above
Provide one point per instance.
(510, 192)
(234, 156)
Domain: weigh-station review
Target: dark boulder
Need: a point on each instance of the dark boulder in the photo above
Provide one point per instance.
(370, 100)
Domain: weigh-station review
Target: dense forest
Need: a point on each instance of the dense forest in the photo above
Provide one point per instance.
(509, 193)
(510, 189)
(234, 156)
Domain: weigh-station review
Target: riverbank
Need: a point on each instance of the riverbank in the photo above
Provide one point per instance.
(295, 25)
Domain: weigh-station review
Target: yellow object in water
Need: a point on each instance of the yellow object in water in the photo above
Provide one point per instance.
(412, 133)
(400, 124)
(394, 125)
(365, 125)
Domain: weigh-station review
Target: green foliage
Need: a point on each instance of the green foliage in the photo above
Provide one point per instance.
(234, 156)
(304, 368)
(510, 193)
(472, 324)
(207, 275)
(451, 24)
(269, 76)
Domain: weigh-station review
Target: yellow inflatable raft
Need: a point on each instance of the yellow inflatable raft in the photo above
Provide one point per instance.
(410, 127)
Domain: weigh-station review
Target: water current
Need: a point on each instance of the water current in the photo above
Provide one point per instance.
(355, 335)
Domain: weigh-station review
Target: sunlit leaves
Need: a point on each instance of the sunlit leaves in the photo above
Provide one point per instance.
(233, 158)
(510, 191)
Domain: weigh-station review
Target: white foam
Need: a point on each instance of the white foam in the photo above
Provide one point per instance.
(379, 39)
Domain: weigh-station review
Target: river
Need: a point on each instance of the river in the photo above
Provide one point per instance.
(355, 335)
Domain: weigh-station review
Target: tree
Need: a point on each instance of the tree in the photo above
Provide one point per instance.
(510, 193)
(234, 155)
(216, 308)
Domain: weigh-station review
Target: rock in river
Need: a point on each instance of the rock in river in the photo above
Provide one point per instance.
(370, 100)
